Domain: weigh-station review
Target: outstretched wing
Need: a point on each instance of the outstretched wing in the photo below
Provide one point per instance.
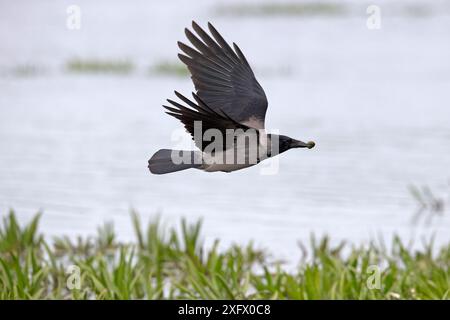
(202, 115)
(223, 78)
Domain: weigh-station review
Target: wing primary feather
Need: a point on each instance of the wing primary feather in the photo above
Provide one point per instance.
(203, 48)
(203, 104)
(191, 63)
(180, 107)
(212, 44)
(171, 109)
(192, 104)
(201, 58)
(241, 56)
(223, 114)
(215, 81)
(200, 46)
(227, 92)
(220, 40)
(200, 70)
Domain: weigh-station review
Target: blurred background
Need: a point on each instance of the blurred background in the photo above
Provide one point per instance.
(80, 115)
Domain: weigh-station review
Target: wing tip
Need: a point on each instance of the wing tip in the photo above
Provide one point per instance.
(169, 101)
(179, 95)
(188, 33)
(184, 58)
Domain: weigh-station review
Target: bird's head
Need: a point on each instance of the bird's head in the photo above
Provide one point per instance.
(286, 143)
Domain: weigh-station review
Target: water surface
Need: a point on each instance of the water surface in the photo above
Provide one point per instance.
(375, 102)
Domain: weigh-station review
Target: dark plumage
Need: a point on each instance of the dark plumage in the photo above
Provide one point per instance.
(210, 119)
(223, 78)
(230, 101)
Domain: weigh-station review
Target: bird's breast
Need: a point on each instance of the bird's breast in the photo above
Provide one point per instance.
(241, 155)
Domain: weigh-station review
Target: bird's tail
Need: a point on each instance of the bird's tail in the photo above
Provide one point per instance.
(167, 161)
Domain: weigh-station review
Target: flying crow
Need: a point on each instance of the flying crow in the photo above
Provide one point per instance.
(226, 115)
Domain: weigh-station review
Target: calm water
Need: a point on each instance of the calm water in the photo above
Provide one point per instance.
(377, 103)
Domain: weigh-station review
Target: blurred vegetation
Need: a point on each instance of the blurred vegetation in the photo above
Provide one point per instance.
(123, 67)
(171, 263)
(99, 66)
(26, 70)
(418, 10)
(325, 9)
(283, 9)
(429, 205)
(169, 69)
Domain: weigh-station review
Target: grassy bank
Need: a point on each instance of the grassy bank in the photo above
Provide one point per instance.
(173, 263)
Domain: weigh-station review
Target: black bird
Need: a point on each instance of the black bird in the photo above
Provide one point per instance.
(227, 113)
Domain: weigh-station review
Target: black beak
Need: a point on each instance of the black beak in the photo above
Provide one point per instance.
(301, 144)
